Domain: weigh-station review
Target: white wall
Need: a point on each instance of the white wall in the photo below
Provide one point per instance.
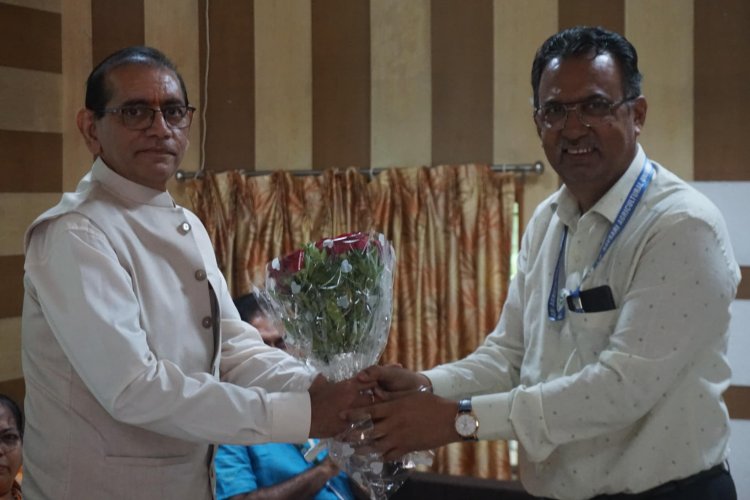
(733, 199)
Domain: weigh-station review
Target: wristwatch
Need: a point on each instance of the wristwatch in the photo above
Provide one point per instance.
(467, 422)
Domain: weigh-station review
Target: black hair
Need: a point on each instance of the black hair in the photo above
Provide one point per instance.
(248, 307)
(15, 410)
(584, 40)
(98, 92)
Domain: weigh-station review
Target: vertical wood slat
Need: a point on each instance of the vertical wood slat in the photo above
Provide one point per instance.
(462, 72)
(230, 103)
(722, 49)
(341, 83)
(115, 24)
(609, 14)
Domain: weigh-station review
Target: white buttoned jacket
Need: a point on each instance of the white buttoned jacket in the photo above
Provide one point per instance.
(130, 372)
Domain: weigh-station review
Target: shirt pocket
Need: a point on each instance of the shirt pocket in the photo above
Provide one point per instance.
(591, 333)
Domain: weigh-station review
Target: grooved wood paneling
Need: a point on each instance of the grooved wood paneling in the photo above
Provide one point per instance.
(116, 24)
(462, 72)
(15, 389)
(722, 49)
(30, 162)
(30, 38)
(230, 102)
(283, 85)
(341, 83)
(17, 211)
(11, 293)
(30, 100)
(609, 14)
(401, 83)
(743, 291)
(737, 398)
(10, 354)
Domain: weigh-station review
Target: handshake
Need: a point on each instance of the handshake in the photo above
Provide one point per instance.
(406, 416)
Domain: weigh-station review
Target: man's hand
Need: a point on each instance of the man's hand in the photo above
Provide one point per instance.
(393, 381)
(328, 400)
(419, 421)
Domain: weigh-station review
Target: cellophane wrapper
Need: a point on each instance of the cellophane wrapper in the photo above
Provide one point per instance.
(334, 299)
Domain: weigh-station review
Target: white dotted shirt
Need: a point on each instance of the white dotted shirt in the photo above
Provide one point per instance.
(620, 400)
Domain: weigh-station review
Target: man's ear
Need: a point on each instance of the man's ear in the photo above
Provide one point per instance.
(640, 107)
(86, 122)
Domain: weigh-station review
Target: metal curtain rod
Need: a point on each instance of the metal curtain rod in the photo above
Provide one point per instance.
(518, 168)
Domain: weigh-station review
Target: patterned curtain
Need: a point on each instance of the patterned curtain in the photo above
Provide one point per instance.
(450, 226)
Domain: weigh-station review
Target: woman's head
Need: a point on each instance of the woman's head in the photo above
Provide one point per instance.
(11, 438)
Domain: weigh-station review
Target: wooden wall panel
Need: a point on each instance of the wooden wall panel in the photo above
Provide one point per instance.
(11, 293)
(462, 71)
(30, 38)
(737, 398)
(401, 131)
(181, 46)
(283, 85)
(341, 83)
(116, 24)
(30, 100)
(609, 14)
(230, 102)
(15, 389)
(77, 64)
(10, 354)
(667, 65)
(722, 49)
(30, 162)
(743, 291)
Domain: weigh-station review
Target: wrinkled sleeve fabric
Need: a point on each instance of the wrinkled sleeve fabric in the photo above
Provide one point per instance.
(673, 309)
(87, 299)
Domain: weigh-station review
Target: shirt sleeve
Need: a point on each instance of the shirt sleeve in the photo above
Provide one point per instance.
(87, 299)
(234, 472)
(675, 309)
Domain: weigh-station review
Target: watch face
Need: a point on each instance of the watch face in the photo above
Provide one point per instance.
(466, 425)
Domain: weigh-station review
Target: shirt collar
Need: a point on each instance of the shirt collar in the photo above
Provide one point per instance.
(127, 189)
(566, 205)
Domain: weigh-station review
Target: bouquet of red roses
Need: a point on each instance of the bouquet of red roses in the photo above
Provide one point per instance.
(334, 298)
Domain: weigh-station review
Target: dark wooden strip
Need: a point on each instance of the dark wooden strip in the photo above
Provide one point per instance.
(15, 389)
(743, 291)
(721, 108)
(737, 398)
(341, 83)
(31, 162)
(462, 76)
(230, 127)
(11, 293)
(609, 14)
(115, 24)
(30, 38)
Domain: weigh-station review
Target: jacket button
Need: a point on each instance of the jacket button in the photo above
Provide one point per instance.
(207, 322)
(184, 228)
(200, 274)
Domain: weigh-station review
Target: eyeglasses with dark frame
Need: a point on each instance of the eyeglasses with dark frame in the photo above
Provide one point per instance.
(591, 112)
(140, 117)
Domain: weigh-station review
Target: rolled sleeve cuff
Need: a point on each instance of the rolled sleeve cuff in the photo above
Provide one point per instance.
(290, 416)
(493, 413)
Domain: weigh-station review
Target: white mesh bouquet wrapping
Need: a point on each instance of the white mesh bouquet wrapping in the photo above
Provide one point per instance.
(334, 299)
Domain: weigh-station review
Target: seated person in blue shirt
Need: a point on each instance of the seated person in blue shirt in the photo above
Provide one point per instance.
(275, 470)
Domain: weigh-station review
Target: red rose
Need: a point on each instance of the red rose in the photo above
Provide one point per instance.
(345, 243)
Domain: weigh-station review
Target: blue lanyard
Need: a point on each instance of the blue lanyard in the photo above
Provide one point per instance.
(557, 297)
